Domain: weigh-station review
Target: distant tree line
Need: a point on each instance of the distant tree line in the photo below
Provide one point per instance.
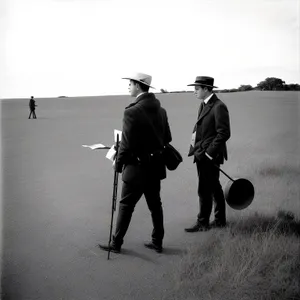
(277, 84)
(269, 84)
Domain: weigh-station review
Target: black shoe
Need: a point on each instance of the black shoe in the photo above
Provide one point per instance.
(112, 248)
(217, 224)
(197, 227)
(153, 246)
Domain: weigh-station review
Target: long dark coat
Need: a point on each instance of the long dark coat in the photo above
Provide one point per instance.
(32, 104)
(212, 131)
(145, 131)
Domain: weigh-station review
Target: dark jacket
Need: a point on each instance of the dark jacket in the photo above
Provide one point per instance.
(145, 131)
(32, 104)
(212, 131)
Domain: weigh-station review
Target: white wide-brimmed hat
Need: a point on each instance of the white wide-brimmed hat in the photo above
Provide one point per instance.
(141, 77)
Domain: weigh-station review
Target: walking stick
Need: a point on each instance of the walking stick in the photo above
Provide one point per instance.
(114, 197)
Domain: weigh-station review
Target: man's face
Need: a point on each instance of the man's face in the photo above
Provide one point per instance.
(200, 92)
(133, 88)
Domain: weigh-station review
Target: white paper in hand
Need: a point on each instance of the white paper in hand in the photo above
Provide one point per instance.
(193, 139)
(111, 153)
(95, 146)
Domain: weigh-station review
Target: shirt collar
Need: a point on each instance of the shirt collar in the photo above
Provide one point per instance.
(140, 94)
(208, 98)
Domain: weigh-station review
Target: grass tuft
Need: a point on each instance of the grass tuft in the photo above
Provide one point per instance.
(284, 223)
(255, 258)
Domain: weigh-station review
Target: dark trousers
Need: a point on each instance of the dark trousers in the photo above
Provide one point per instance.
(131, 194)
(209, 192)
(33, 114)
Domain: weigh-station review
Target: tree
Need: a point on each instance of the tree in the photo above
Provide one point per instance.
(246, 87)
(271, 84)
(292, 87)
(163, 91)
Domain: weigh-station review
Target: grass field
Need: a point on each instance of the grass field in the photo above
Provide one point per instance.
(255, 258)
(56, 199)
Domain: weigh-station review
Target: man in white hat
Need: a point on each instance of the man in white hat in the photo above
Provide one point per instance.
(208, 146)
(145, 132)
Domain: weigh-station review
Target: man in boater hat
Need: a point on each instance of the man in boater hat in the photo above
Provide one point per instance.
(208, 145)
(145, 132)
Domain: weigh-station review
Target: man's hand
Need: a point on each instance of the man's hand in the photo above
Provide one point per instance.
(116, 167)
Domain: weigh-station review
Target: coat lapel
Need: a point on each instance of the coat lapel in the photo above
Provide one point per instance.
(207, 108)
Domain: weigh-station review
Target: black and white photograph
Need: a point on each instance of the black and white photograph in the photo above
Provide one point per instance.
(150, 149)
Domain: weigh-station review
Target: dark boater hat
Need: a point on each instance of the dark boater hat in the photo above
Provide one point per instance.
(203, 80)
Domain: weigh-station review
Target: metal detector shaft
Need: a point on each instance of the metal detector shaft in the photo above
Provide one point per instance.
(114, 197)
(224, 172)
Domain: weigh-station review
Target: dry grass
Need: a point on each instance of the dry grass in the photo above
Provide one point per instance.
(255, 258)
(258, 256)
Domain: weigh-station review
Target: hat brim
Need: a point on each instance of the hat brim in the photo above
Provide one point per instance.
(197, 84)
(144, 83)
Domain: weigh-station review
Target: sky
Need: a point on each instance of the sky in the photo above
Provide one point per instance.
(53, 48)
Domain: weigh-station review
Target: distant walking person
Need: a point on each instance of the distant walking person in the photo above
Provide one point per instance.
(145, 132)
(32, 106)
(208, 145)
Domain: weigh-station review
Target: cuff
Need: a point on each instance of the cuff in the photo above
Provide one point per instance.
(208, 156)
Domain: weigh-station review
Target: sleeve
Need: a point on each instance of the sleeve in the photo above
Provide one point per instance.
(222, 127)
(128, 140)
(168, 134)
